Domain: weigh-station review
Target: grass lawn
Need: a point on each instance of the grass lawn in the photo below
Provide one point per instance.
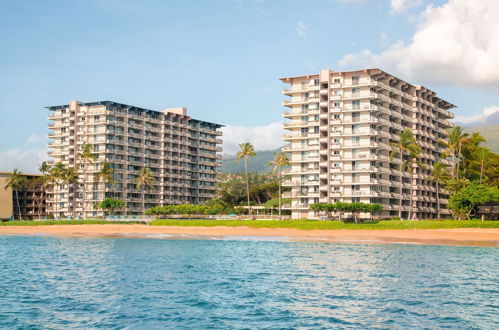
(60, 222)
(297, 224)
(314, 224)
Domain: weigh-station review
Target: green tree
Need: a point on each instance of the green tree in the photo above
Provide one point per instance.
(87, 157)
(246, 150)
(465, 201)
(454, 144)
(481, 161)
(342, 207)
(56, 176)
(70, 178)
(145, 180)
(110, 205)
(44, 168)
(16, 182)
(105, 174)
(280, 160)
(439, 175)
(405, 146)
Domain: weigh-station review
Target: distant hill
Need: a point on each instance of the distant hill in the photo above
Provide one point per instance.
(258, 164)
(490, 133)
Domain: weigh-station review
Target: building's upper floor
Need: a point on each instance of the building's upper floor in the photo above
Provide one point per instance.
(328, 85)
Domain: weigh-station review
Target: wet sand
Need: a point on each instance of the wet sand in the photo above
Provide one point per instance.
(460, 237)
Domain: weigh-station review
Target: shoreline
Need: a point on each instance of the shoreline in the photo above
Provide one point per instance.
(488, 237)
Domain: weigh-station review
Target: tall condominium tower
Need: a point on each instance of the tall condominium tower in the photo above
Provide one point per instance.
(181, 152)
(341, 129)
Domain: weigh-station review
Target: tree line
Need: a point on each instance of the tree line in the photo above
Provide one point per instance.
(471, 178)
(59, 175)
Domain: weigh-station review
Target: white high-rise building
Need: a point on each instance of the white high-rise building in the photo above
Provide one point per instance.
(342, 124)
(182, 153)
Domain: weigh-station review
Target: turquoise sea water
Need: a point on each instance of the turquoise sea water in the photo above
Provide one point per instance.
(48, 282)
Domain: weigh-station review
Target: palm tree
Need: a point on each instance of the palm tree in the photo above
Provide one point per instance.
(44, 168)
(483, 160)
(87, 157)
(16, 182)
(105, 174)
(55, 177)
(246, 150)
(453, 145)
(146, 180)
(400, 148)
(440, 175)
(414, 155)
(280, 160)
(70, 178)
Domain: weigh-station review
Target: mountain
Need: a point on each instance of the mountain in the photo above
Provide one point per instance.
(259, 163)
(490, 133)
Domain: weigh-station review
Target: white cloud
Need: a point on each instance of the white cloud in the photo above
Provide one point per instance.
(490, 115)
(301, 29)
(26, 160)
(266, 137)
(33, 138)
(398, 6)
(456, 44)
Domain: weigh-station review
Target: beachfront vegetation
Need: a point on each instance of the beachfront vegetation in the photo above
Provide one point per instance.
(467, 199)
(110, 205)
(296, 224)
(246, 150)
(408, 147)
(280, 160)
(317, 224)
(65, 222)
(263, 188)
(338, 209)
(16, 182)
(472, 177)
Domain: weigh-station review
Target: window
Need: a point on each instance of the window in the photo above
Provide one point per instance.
(336, 104)
(336, 80)
(335, 117)
(356, 104)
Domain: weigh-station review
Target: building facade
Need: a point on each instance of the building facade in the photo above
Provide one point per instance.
(340, 134)
(29, 202)
(182, 153)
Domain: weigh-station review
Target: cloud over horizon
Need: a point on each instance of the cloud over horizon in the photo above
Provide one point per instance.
(267, 137)
(489, 115)
(26, 160)
(456, 44)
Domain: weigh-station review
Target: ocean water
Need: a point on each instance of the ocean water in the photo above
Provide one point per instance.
(65, 283)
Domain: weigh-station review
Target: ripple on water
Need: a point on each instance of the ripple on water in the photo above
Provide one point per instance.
(188, 282)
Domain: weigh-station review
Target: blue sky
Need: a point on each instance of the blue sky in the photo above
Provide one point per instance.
(220, 59)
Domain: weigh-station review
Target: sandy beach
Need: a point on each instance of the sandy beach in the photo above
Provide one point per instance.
(460, 236)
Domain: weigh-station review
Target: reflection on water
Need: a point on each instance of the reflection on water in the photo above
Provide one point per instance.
(138, 283)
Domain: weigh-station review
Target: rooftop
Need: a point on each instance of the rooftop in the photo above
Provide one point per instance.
(110, 103)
